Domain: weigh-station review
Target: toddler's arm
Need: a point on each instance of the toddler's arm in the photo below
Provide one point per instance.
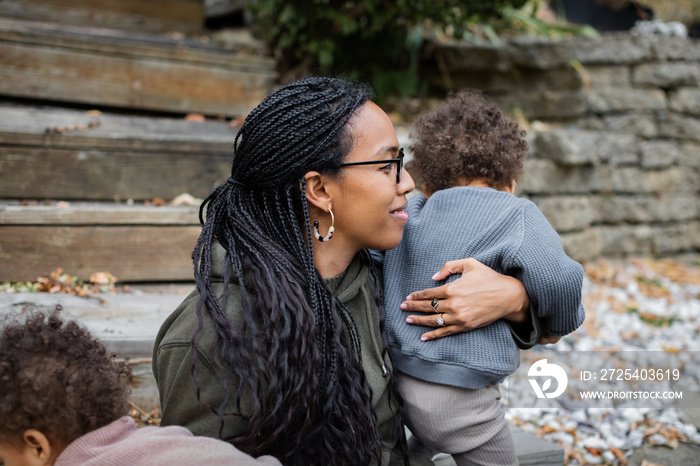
(553, 280)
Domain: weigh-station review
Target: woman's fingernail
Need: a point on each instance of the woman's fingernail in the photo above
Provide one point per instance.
(423, 338)
(404, 306)
(408, 298)
(435, 276)
(409, 320)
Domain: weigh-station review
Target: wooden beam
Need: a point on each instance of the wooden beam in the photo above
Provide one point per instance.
(112, 157)
(31, 126)
(242, 55)
(97, 213)
(38, 173)
(66, 75)
(131, 253)
(184, 16)
(109, 69)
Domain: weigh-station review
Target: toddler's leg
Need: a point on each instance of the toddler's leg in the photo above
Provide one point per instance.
(468, 424)
(499, 450)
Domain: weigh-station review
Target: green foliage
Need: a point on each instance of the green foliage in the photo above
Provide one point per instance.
(375, 40)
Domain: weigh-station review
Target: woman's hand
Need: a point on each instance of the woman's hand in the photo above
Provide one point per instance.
(476, 299)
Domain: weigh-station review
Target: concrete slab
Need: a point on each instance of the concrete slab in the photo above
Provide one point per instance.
(685, 455)
(689, 407)
(531, 451)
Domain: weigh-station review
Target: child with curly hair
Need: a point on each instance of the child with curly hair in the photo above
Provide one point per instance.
(63, 401)
(467, 159)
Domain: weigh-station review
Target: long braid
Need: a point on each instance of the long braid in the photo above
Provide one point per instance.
(299, 342)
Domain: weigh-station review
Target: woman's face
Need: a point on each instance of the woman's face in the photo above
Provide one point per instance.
(369, 205)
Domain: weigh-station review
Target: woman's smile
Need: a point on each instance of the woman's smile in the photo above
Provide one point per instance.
(400, 213)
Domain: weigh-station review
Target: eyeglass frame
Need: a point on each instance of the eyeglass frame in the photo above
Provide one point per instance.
(398, 161)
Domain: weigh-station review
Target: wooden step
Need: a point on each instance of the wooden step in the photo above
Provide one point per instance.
(185, 16)
(135, 243)
(128, 324)
(109, 157)
(114, 68)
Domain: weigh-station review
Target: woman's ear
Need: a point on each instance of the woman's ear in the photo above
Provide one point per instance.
(38, 448)
(316, 192)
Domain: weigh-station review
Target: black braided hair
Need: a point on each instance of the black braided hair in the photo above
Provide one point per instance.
(297, 351)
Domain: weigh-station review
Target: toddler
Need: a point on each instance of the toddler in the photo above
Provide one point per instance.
(467, 160)
(63, 402)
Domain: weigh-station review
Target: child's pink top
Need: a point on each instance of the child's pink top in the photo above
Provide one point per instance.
(122, 443)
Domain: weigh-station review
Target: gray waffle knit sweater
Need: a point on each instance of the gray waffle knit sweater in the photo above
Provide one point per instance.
(506, 233)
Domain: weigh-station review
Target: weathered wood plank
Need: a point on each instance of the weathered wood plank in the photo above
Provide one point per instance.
(37, 127)
(126, 323)
(241, 55)
(39, 173)
(134, 82)
(97, 213)
(135, 15)
(122, 158)
(131, 253)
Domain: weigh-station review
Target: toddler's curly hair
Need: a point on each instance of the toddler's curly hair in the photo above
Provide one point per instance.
(468, 136)
(56, 378)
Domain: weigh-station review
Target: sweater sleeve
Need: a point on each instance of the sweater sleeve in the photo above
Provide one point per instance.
(528, 334)
(552, 279)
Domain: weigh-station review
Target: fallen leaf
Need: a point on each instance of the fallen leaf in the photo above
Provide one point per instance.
(237, 122)
(620, 455)
(198, 117)
(594, 451)
(548, 429)
(185, 199)
(672, 433)
(102, 278)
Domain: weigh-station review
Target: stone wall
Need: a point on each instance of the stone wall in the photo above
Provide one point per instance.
(614, 131)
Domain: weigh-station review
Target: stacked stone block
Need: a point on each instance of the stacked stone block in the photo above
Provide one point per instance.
(615, 164)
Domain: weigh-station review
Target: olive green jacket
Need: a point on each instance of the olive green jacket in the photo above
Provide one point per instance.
(172, 358)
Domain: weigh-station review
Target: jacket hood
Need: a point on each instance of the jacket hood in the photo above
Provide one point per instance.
(347, 285)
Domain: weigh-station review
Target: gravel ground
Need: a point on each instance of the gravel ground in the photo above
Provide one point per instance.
(634, 306)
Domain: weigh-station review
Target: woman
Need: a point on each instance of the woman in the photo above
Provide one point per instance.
(281, 349)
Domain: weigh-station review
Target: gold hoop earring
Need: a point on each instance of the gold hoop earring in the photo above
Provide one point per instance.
(318, 236)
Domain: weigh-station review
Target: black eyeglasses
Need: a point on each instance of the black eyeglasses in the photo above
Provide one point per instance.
(398, 161)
